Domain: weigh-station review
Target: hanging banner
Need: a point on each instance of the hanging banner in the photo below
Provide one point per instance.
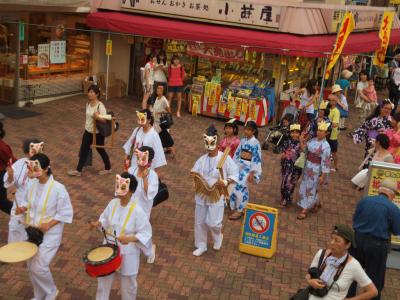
(345, 29)
(384, 35)
(214, 53)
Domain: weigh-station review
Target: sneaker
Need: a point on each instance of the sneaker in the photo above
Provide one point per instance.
(74, 173)
(105, 172)
(217, 246)
(199, 252)
(152, 258)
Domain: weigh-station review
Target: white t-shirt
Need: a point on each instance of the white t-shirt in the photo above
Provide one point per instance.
(351, 272)
(304, 99)
(149, 67)
(159, 74)
(160, 106)
(360, 86)
(90, 110)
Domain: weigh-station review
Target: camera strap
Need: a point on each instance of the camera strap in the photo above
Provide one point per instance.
(339, 272)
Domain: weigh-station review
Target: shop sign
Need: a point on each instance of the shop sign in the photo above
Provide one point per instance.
(384, 35)
(43, 55)
(57, 52)
(67, 3)
(21, 31)
(234, 12)
(394, 1)
(378, 172)
(345, 29)
(214, 53)
(363, 19)
(109, 47)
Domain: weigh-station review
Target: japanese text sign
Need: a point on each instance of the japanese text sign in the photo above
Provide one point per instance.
(57, 52)
(345, 29)
(214, 53)
(235, 12)
(109, 47)
(384, 35)
(259, 231)
(379, 171)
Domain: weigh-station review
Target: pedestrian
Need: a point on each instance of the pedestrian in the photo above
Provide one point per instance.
(209, 212)
(341, 105)
(17, 177)
(310, 131)
(344, 81)
(161, 108)
(95, 112)
(146, 191)
(149, 70)
(130, 224)
(176, 77)
(316, 170)
(333, 270)
(144, 135)
(374, 220)
(374, 124)
(394, 137)
(334, 117)
(160, 77)
(379, 153)
(231, 140)
(248, 158)
(291, 150)
(370, 101)
(394, 82)
(361, 85)
(308, 96)
(46, 207)
(6, 160)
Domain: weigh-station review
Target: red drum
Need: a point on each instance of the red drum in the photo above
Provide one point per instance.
(102, 260)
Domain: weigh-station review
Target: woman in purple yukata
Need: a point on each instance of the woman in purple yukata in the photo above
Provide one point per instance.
(316, 169)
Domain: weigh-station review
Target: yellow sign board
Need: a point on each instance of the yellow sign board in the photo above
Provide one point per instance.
(109, 47)
(259, 231)
(378, 172)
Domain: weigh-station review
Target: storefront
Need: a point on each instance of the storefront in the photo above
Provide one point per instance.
(45, 51)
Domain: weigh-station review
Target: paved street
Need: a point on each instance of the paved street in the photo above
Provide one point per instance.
(177, 274)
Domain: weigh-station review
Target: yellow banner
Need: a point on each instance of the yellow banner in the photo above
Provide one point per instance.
(384, 35)
(345, 29)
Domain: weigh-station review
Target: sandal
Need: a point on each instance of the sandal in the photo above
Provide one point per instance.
(235, 215)
(316, 208)
(302, 215)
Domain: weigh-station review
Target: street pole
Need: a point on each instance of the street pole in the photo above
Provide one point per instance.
(108, 67)
(323, 81)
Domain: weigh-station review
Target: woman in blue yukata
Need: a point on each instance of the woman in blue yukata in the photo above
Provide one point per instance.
(316, 169)
(248, 159)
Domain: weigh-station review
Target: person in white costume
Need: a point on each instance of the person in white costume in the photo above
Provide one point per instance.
(17, 176)
(208, 214)
(144, 135)
(47, 207)
(129, 222)
(147, 189)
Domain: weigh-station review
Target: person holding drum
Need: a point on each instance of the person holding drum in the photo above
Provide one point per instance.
(129, 223)
(47, 207)
(17, 176)
(147, 189)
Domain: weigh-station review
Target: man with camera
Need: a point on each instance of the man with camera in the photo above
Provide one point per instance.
(333, 270)
(375, 219)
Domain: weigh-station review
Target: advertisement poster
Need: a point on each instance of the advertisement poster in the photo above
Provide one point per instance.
(43, 55)
(57, 52)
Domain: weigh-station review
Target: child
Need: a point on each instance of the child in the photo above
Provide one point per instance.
(342, 105)
(370, 93)
(230, 139)
(290, 174)
(248, 159)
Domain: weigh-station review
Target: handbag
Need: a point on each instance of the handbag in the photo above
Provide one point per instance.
(301, 161)
(105, 129)
(162, 194)
(166, 120)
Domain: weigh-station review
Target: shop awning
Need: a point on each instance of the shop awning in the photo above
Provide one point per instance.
(272, 42)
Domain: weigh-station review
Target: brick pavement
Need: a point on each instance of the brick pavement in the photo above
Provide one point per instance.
(176, 274)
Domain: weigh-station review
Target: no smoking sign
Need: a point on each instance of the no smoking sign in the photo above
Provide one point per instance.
(259, 223)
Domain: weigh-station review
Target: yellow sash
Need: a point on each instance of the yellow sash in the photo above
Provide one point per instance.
(28, 217)
(131, 208)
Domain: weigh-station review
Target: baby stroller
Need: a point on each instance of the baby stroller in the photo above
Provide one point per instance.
(278, 134)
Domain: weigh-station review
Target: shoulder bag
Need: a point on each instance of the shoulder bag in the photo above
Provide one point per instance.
(162, 194)
(105, 129)
(166, 120)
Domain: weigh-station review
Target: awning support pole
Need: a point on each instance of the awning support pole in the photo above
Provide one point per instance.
(321, 95)
(108, 68)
